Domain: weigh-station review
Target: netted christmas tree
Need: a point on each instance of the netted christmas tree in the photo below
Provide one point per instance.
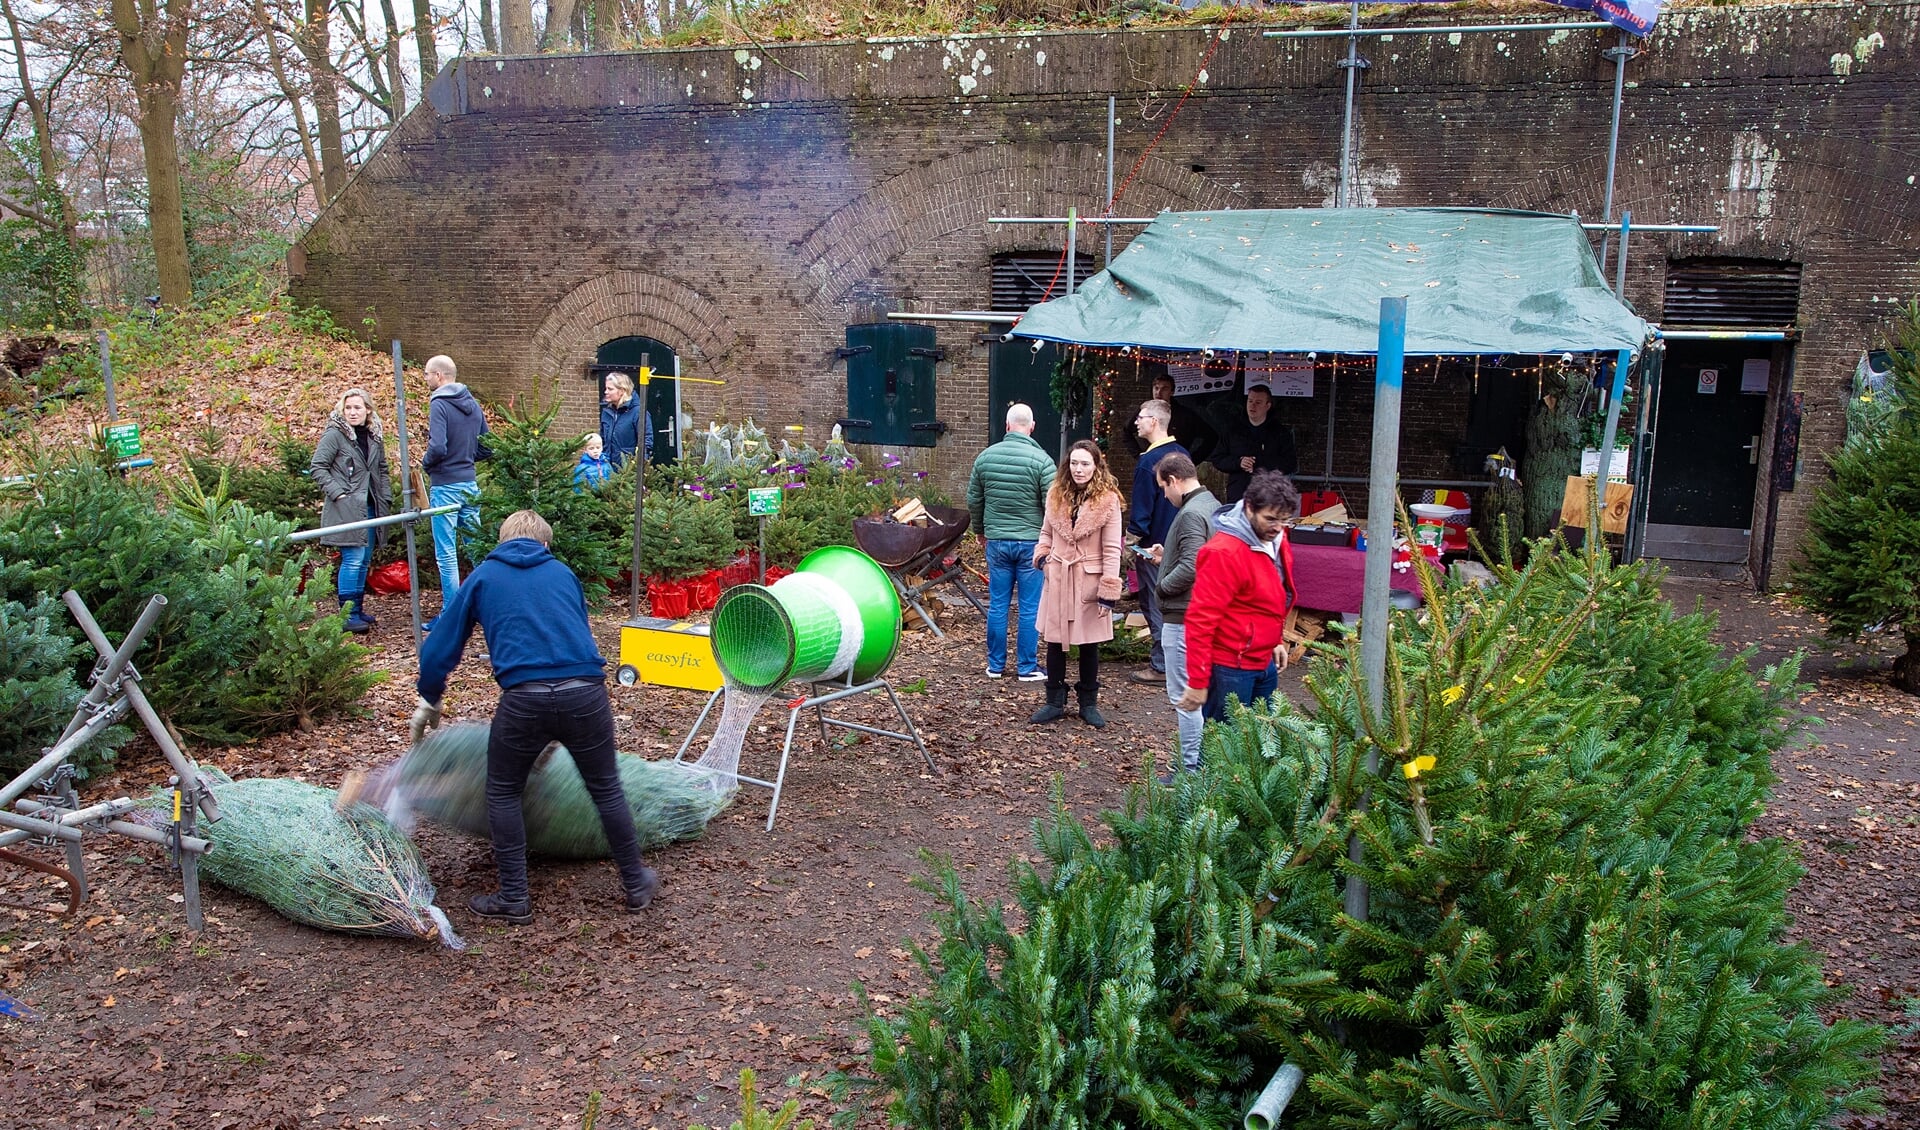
(1567, 924)
(1862, 567)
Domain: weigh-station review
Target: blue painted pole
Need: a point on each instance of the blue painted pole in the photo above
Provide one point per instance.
(1383, 487)
(1621, 362)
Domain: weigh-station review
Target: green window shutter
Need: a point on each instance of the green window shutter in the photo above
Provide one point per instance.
(890, 389)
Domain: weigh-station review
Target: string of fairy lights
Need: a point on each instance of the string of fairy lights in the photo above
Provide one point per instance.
(1583, 366)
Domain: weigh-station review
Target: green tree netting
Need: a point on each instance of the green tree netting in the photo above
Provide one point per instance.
(281, 842)
(445, 777)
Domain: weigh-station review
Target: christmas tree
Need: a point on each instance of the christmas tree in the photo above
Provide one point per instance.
(1567, 924)
(1862, 567)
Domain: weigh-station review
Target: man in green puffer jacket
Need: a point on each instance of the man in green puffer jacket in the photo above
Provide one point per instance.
(1007, 495)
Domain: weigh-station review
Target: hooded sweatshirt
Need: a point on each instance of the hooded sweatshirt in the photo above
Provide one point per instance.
(534, 613)
(454, 427)
(1242, 589)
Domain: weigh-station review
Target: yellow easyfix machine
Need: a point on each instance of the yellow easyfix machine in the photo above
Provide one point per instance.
(667, 653)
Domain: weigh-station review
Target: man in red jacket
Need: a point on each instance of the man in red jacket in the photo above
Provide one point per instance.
(1242, 589)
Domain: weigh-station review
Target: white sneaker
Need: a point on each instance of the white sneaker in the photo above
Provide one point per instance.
(1034, 677)
(992, 674)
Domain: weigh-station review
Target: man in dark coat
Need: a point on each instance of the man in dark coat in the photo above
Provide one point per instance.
(1253, 443)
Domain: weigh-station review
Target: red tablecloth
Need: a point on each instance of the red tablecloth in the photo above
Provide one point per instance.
(1331, 578)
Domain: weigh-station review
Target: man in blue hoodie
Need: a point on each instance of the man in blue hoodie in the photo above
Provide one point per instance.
(552, 689)
(454, 427)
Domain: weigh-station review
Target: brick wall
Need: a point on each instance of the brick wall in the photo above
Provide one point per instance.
(745, 205)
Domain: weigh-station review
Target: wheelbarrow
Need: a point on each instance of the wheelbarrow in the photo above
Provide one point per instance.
(905, 551)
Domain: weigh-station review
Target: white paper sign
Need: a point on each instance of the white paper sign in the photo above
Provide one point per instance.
(1616, 468)
(1284, 376)
(1755, 374)
(1709, 382)
(1190, 377)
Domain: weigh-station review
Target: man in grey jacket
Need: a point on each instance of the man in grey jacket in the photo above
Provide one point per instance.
(1007, 497)
(1191, 528)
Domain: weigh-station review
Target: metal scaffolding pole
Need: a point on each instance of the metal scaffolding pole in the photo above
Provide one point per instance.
(1619, 54)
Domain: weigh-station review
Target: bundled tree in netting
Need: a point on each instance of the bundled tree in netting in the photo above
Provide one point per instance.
(1568, 925)
(445, 778)
(1862, 566)
(283, 842)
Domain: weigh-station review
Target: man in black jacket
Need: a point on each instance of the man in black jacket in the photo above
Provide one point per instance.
(1256, 442)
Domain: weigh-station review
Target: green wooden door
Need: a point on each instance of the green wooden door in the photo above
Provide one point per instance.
(1016, 373)
(890, 385)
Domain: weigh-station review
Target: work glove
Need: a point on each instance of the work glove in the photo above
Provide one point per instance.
(426, 715)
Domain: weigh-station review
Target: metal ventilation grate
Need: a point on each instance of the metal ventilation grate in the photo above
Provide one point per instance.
(1732, 293)
(1020, 278)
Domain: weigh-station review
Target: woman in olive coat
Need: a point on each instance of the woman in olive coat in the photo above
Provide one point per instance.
(350, 468)
(1079, 548)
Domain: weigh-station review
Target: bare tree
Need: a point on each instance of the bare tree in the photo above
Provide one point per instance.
(270, 34)
(516, 27)
(559, 24)
(396, 81)
(153, 47)
(424, 26)
(49, 194)
(316, 44)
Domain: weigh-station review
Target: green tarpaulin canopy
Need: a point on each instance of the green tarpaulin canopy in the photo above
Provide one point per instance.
(1311, 279)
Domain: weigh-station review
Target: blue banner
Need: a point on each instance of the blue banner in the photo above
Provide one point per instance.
(1636, 16)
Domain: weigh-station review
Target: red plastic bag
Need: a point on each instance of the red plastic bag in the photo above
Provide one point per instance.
(666, 599)
(388, 580)
(775, 572)
(703, 592)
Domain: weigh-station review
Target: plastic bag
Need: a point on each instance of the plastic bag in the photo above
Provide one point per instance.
(389, 579)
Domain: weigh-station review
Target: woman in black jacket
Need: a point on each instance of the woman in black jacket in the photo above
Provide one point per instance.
(350, 468)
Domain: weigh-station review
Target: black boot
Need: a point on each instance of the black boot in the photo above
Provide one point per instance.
(1056, 707)
(360, 609)
(1089, 695)
(355, 623)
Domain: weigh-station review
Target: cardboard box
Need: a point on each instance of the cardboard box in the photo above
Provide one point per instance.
(667, 653)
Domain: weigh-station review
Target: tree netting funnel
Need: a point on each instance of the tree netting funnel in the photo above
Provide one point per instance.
(837, 615)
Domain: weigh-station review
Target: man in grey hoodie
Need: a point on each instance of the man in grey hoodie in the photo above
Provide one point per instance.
(1192, 526)
(454, 427)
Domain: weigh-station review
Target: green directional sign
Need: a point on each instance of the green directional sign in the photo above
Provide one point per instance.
(763, 502)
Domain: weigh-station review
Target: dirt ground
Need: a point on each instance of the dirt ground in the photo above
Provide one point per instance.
(749, 957)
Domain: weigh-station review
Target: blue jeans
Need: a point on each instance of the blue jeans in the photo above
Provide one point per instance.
(1009, 571)
(1247, 686)
(1149, 575)
(1190, 722)
(446, 551)
(352, 580)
